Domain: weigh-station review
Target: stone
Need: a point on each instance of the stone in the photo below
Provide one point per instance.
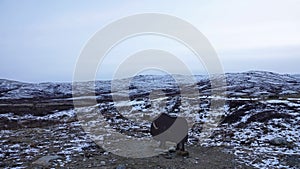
(278, 141)
(172, 149)
(102, 163)
(121, 166)
(45, 161)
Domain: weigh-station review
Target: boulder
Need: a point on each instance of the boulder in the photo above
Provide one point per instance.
(46, 160)
(278, 141)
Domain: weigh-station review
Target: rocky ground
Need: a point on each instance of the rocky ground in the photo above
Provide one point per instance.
(257, 124)
(67, 146)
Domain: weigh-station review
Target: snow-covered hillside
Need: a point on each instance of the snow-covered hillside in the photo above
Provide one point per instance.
(259, 122)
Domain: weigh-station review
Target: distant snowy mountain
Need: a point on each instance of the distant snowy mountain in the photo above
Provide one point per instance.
(296, 76)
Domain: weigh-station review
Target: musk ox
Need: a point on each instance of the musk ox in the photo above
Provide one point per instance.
(169, 128)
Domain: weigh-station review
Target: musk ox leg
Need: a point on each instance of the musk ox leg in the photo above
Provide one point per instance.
(180, 149)
(180, 146)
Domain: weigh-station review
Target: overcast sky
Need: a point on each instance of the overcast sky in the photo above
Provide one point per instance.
(41, 40)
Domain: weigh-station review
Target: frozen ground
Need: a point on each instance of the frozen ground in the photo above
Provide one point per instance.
(258, 124)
